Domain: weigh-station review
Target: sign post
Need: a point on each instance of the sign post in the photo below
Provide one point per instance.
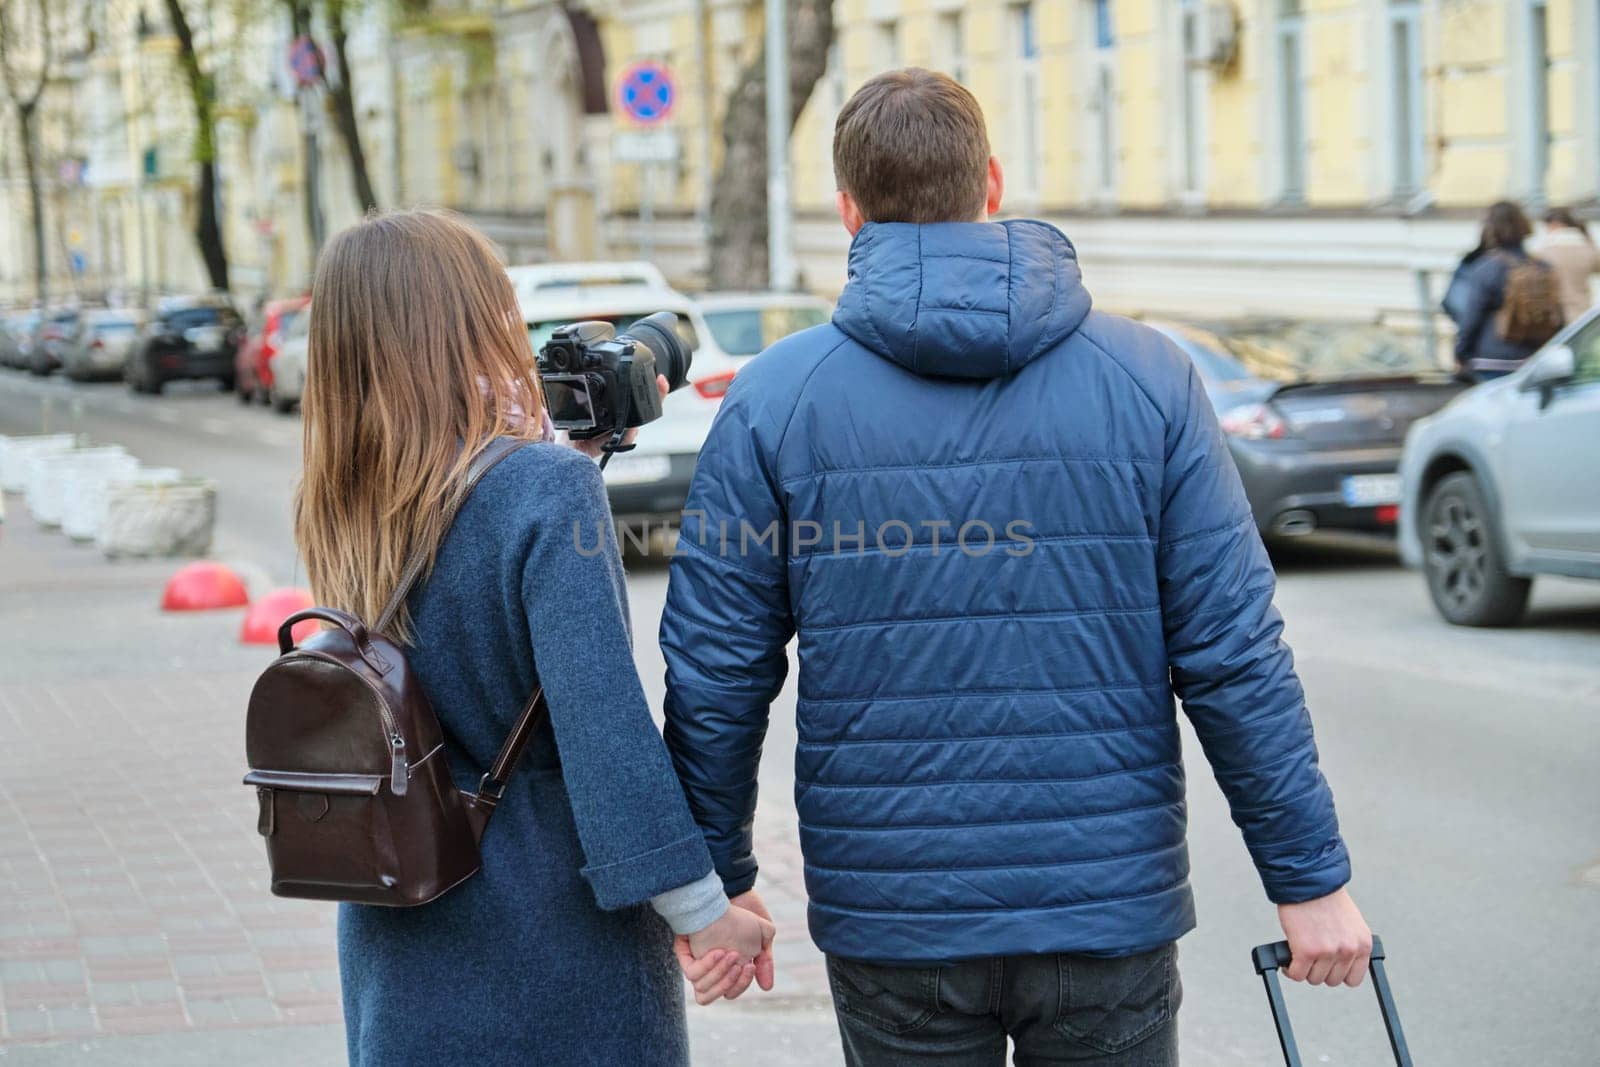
(645, 94)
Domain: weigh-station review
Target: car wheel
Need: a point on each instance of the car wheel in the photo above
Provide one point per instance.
(1468, 583)
(226, 384)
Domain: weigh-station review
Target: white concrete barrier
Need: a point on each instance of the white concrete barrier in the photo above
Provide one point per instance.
(145, 518)
(14, 453)
(83, 494)
(50, 474)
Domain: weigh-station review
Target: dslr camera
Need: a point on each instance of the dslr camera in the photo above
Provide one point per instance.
(598, 382)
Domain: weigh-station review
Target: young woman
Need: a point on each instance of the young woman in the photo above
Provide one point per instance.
(1479, 290)
(1570, 250)
(548, 954)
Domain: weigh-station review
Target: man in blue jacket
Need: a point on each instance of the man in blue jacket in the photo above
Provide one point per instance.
(1006, 530)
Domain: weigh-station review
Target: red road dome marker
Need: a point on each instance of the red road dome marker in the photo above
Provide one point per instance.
(267, 613)
(204, 586)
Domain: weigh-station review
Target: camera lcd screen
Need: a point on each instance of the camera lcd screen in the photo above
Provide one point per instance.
(567, 397)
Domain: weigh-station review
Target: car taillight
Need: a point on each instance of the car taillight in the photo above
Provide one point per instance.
(1253, 422)
(1388, 514)
(714, 387)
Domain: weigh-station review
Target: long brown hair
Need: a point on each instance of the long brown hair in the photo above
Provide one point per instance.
(418, 358)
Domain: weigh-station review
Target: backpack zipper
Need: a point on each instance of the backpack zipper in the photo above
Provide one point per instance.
(399, 772)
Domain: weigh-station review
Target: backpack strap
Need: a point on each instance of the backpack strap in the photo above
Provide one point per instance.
(480, 805)
(482, 463)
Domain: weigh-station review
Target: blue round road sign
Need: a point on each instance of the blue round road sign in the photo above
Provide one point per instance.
(645, 93)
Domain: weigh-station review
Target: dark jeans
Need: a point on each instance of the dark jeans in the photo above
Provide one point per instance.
(1057, 1009)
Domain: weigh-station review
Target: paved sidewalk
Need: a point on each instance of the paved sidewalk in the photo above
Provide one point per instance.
(136, 926)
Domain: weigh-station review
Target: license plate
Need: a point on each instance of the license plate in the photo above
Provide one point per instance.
(1370, 490)
(633, 470)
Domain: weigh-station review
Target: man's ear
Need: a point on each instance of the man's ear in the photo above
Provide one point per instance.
(849, 212)
(996, 188)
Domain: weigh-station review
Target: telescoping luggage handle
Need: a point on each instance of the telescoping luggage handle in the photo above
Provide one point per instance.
(1269, 958)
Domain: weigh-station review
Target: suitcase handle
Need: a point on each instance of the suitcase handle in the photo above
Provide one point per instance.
(1269, 958)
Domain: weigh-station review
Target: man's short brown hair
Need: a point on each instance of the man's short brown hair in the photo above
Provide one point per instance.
(910, 146)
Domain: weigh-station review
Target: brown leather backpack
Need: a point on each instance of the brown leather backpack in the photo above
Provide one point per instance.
(1530, 311)
(347, 759)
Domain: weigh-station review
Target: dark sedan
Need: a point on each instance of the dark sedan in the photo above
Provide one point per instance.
(190, 338)
(1315, 415)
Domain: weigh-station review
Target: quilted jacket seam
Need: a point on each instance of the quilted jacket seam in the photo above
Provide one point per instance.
(1083, 862)
(1039, 821)
(1246, 594)
(1053, 736)
(926, 620)
(1048, 691)
(963, 463)
(936, 783)
(939, 912)
(699, 550)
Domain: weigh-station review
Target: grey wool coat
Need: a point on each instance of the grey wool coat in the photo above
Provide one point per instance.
(550, 954)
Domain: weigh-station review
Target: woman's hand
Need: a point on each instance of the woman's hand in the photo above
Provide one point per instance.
(720, 959)
(594, 448)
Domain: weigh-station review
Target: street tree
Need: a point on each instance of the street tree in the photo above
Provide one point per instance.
(342, 90)
(739, 194)
(27, 58)
(203, 96)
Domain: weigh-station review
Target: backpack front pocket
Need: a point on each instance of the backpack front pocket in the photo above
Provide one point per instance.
(328, 835)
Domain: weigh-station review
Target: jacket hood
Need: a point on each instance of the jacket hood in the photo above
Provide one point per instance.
(962, 299)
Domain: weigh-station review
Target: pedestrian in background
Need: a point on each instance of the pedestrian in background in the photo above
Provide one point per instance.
(1007, 530)
(419, 358)
(1570, 250)
(1505, 303)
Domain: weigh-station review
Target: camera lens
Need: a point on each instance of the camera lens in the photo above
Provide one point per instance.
(659, 333)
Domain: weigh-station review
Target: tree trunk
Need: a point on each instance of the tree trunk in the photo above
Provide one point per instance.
(739, 196)
(30, 157)
(202, 90)
(344, 109)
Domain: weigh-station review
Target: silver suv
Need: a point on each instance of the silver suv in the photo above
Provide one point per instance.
(1503, 483)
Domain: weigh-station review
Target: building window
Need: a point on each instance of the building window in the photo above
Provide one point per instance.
(952, 45)
(887, 52)
(1103, 102)
(1405, 66)
(1291, 101)
(1027, 115)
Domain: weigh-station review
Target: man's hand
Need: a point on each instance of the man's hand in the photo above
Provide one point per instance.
(739, 937)
(1329, 942)
(594, 447)
(766, 968)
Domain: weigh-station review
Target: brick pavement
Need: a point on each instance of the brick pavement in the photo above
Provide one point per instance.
(133, 895)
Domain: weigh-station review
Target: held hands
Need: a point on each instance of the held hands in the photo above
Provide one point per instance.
(725, 957)
(1328, 940)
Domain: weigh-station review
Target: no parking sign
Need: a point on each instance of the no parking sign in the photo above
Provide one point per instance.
(645, 92)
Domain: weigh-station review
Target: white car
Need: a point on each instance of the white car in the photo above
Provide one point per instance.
(1503, 483)
(744, 324)
(289, 366)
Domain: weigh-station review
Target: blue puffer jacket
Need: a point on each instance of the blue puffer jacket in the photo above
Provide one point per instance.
(1006, 530)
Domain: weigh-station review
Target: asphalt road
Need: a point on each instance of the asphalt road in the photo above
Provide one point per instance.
(1464, 764)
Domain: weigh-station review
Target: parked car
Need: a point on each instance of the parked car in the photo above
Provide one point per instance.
(55, 331)
(1504, 483)
(16, 337)
(253, 365)
(744, 324)
(101, 347)
(188, 337)
(289, 365)
(1315, 414)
